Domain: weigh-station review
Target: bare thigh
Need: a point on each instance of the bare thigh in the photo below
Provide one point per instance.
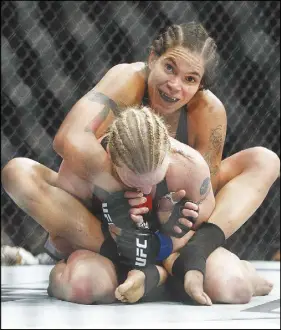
(257, 160)
(37, 191)
(29, 184)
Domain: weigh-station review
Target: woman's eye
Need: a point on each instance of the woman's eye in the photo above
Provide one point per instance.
(169, 68)
(190, 79)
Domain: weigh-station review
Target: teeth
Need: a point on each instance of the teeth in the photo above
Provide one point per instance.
(167, 98)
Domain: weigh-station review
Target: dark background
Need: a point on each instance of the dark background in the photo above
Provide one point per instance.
(53, 52)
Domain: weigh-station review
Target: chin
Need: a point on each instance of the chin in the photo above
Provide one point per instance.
(163, 110)
(166, 111)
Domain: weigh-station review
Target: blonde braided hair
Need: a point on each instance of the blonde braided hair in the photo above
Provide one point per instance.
(139, 139)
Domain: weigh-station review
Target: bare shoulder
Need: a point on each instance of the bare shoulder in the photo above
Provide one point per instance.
(134, 70)
(187, 169)
(188, 153)
(124, 83)
(207, 102)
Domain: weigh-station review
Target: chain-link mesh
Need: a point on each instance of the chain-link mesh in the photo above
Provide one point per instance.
(53, 52)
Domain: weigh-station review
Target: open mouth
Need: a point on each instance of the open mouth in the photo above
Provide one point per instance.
(167, 98)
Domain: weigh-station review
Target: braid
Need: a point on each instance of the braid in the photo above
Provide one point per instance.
(159, 45)
(177, 29)
(117, 142)
(169, 37)
(129, 142)
(151, 140)
(209, 49)
(115, 145)
(157, 136)
(138, 139)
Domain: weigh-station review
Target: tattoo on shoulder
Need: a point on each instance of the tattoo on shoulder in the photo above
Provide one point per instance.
(109, 105)
(103, 99)
(205, 186)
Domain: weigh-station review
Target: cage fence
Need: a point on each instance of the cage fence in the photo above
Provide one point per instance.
(53, 52)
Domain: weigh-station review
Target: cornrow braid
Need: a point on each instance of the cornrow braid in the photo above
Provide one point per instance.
(139, 139)
(195, 38)
(128, 142)
(178, 33)
(150, 155)
(211, 59)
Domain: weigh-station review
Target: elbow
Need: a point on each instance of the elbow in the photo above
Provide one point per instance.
(71, 147)
(58, 143)
(62, 143)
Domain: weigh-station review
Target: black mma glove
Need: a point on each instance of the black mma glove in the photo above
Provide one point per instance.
(137, 247)
(141, 247)
(194, 254)
(116, 211)
(168, 227)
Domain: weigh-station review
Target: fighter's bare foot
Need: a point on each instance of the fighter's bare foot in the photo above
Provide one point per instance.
(193, 285)
(133, 288)
(261, 286)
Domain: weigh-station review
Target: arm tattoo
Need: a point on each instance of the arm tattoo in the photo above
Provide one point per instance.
(215, 148)
(213, 168)
(102, 115)
(204, 187)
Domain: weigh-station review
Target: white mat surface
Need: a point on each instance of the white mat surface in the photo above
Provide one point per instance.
(26, 305)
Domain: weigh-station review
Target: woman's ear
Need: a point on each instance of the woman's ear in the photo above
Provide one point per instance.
(108, 152)
(152, 59)
(201, 87)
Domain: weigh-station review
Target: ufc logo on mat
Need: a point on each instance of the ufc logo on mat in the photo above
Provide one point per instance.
(106, 214)
(141, 256)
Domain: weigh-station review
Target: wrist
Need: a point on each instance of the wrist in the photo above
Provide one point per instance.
(191, 258)
(194, 255)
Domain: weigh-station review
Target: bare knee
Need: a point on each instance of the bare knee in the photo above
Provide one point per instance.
(240, 290)
(265, 160)
(18, 178)
(225, 280)
(94, 281)
(88, 279)
(7, 173)
(56, 288)
(234, 290)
